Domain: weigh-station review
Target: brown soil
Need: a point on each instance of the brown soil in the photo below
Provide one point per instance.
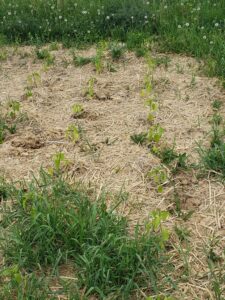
(106, 157)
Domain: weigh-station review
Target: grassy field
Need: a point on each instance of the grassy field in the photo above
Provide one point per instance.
(112, 150)
(190, 26)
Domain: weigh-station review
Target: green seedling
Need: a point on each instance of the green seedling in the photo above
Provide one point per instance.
(155, 224)
(146, 92)
(33, 80)
(9, 120)
(14, 108)
(28, 92)
(153, 108)
(140, 138)
(90, 93)
(12, 272)
(78, 110)
(155, 133)
(59, 162)
(159, 176)
(73, 133)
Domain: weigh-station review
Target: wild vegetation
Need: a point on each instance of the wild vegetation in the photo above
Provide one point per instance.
(189, 26)
(158, 235)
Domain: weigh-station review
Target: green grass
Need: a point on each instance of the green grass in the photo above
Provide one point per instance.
(139, 138)
(52, 223)
(213, 157)
(195, 27)
(80, 61)
(44, 54)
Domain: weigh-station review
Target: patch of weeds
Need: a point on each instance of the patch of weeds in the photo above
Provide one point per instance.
(139, 138)
(3, 55)
(51, 222)
(180, 163)
(161, 297)
(217, 119)
(77, 110)
(182, 233)
(44, 54)
(140, 52)
(3, 191)
(180, 69)
(217, 104)
(116, 50)
(80, 61)
(167, 155)
(184, 249)
(159, 175)
(73, 133)
(54, 46)
(28, 92)
(217, 136)
(213, 157)
(162, 61)
(177, 208)
(216, 266)
(17, 285)
(135, 40)
(193, 81)
(110, 67)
